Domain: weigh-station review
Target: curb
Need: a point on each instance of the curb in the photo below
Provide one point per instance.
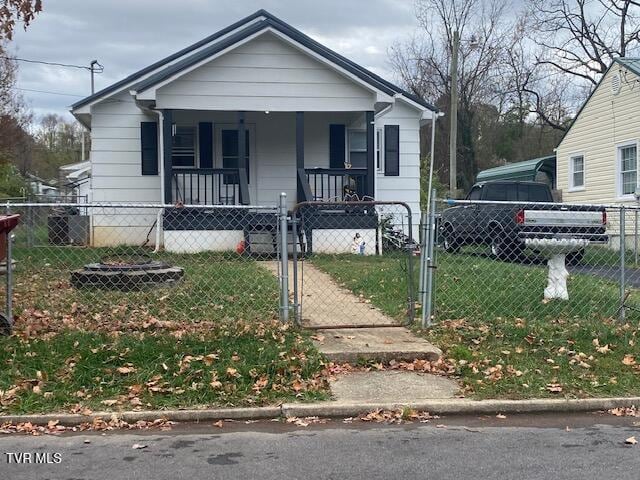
(340, 409)
(460, 406)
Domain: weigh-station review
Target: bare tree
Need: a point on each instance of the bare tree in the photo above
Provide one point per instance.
(12, 11)
(15, 116)
(423, 64)
(576, 41)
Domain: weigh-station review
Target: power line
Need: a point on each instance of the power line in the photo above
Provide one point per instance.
(48, 92)
(99, 68)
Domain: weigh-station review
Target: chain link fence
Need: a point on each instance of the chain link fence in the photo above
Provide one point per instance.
(101, 265)
(353, 264)
(524, 260)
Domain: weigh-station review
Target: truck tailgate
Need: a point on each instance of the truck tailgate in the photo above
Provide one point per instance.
(563, 218)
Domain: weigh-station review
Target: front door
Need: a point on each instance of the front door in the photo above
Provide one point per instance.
(227, 153)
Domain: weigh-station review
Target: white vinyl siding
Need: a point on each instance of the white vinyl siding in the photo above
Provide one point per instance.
(265, 74)
(576, 173)
(606, 122)
(406, 186)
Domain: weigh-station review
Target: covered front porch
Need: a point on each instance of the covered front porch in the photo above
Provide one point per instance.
(249, 157)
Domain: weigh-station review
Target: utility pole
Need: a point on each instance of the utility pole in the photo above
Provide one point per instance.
(92, 67)
(453, 130)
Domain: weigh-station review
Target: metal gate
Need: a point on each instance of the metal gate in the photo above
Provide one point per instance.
(345, 255)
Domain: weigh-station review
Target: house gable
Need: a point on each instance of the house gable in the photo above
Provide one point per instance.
(251, 24)
(266, 73)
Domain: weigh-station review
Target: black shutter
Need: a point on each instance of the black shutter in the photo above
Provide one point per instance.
(205, 140)
(336, 146)
(149, 147)
(392, 150)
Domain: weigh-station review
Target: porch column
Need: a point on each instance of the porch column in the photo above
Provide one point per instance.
(371, 153)
(167, 149)
(300, 155)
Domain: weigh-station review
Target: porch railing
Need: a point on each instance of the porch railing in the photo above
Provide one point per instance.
(210, 186)
(328, 184)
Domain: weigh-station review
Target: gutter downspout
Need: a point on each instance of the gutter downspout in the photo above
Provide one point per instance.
(160, 215)
(159, 225)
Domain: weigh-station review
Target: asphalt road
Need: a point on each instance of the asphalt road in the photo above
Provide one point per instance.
(527, 447)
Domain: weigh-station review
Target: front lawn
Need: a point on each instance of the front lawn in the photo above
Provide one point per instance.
(212, 339)
(228, 365)
(216, 286)
(503, 340)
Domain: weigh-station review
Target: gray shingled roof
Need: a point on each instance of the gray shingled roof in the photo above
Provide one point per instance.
(269, 21)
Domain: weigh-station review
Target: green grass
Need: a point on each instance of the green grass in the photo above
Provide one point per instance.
(501, 338)
(214, 287)
(68, 343)
(254, 364)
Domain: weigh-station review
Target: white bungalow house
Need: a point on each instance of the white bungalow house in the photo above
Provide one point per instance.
(253, 110)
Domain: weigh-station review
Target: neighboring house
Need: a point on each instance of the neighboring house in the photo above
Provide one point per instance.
(253, 110)
(598, 156)
(40, 187)
(76, 180)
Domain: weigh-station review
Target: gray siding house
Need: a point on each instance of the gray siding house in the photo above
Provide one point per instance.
(253, 110)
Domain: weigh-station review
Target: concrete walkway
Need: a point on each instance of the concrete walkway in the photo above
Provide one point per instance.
(325, 304)
(370, 334)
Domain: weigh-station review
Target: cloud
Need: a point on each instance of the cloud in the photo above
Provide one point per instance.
(126, 35)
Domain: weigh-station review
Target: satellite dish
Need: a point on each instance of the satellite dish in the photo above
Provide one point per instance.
(616, 83)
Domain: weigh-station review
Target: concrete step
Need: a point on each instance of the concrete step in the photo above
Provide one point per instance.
(350, 345)
(392, 386)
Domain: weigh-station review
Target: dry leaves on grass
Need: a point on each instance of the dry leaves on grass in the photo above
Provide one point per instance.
(554, 387)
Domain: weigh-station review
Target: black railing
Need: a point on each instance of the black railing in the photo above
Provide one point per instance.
(330, 184)
(210, 186)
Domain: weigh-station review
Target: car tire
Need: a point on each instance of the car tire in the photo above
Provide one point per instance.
(449, 241)
(503, 249)
(575, 258)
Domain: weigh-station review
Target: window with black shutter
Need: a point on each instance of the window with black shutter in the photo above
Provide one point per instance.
(149, 147)
(392, 150)
(337, 145)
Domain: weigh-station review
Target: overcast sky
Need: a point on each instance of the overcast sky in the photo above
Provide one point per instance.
(126, 35)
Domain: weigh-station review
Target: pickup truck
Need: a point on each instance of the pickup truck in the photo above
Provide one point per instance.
(529, 215)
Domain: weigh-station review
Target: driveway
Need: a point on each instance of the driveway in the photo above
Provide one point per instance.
(632, 275)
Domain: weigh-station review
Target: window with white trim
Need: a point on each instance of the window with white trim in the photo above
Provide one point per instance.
(183, 153)
(358, 148)
(628, 162)
(576, 172)
(379, 150)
